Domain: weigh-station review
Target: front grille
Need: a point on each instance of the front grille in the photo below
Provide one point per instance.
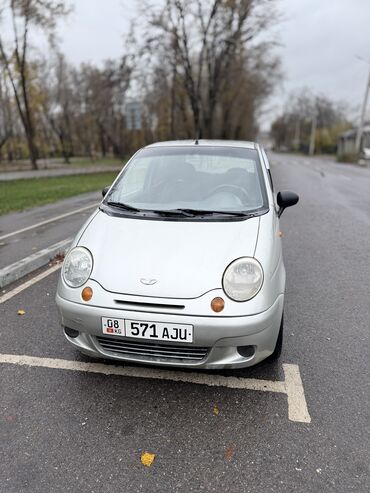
(141, 305)
(144, 350)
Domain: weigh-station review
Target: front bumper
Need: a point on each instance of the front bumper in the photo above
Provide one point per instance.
(221, 336)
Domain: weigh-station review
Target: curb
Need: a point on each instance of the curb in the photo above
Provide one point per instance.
(21, 268)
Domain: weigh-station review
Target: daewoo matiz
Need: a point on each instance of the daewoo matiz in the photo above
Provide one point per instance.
(181, 264)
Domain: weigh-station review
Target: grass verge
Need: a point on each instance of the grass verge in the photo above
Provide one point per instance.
(18, 195)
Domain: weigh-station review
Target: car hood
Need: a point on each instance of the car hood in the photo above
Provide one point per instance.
(181, 259)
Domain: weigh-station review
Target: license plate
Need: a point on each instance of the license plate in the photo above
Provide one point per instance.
(113, 326)
(154, 331)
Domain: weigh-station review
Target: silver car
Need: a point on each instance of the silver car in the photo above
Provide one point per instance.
(181, 264)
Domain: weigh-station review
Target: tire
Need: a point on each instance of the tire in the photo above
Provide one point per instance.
(279, 343)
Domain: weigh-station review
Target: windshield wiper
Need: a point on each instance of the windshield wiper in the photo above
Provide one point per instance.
(123, 206)
(181, 212)
(130, 208)
(199, 212)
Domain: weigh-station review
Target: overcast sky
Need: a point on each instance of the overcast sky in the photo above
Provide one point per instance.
(320, 41)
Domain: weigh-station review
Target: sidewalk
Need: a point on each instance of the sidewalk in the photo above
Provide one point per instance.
(42, 173)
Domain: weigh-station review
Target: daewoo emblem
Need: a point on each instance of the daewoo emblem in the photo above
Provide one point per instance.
(148, 282)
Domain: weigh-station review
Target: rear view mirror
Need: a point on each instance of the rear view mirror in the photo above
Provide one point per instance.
(105, 191)
(286, 199)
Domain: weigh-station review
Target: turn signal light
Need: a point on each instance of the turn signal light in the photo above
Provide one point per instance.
(87, 293)
(217, 304)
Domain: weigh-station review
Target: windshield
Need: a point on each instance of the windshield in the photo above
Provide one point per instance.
(195, 178)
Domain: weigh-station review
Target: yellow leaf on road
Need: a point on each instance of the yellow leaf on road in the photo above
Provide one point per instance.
(216, 411)
(229, 452)
(147, 459)
(21, 312)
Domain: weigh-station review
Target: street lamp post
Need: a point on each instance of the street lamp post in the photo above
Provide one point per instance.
(360, 129)
(311, 150)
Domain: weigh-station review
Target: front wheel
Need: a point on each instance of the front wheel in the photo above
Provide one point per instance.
(279, 343)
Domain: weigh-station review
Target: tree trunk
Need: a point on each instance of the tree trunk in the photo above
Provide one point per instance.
(64, 148)
(31, 148)
(28, 123)
(173, 102)
(103, 146)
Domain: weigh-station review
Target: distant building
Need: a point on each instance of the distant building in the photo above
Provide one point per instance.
(347, 141)
(134, 115)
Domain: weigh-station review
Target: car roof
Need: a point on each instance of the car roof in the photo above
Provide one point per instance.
(205, 142)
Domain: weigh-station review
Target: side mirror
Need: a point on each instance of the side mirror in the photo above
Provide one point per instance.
(286, 199)
(105, 191)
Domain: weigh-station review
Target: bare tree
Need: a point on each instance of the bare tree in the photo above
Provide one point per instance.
(208, 47)
(5, 115)
(57, 101)
(24, 14)
(309, 119)
(100, 103)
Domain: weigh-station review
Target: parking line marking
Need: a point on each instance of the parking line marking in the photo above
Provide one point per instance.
(297, 406)
(47, 221)
(30, 282)
(292, 386)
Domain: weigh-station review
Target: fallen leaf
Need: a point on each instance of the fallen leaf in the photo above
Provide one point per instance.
(59, 257)
(147, 459)
(21, 312)
(216, 411)
(229, 452)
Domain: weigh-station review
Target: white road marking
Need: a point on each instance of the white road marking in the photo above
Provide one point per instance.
(47, 221)
(292, 386)
(30, 282)
(297, 406)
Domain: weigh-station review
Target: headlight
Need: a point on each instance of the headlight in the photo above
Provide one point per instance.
(243, 279)
(77, 267)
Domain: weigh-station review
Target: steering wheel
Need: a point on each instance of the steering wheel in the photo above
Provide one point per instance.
(238, 191)
(179, 182)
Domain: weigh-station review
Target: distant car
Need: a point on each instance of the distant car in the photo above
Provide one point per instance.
(181, 265)
(365, 155)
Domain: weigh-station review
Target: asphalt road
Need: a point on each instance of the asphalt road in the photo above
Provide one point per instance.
(73, 431)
